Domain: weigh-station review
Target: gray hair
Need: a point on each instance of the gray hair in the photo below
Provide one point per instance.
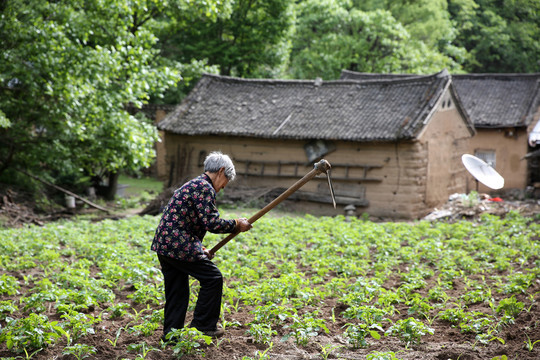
(216, 160)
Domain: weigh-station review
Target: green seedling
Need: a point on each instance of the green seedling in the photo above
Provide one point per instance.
(532, 300)
(79, 351)
(272, 314)
(143, 349)
(304, 328)
(367, 314)
(117, 311)
(114, 341)
(326, 350)
(510, 306)
(146, 294)
(226, 324)
(529, 344)
(261, 333)
(7, 307)
(382, 355)
(77, 325)
(33, 332)
(409, 331)
(260, 355)
(356, 334)
(9, 285)
(187, 341)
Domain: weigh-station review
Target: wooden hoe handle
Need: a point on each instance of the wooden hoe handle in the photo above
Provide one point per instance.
(321, 167)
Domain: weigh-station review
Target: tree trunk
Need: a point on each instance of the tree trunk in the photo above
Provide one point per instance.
(110, 192)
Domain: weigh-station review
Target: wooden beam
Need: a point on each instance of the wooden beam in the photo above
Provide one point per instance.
(65, 191)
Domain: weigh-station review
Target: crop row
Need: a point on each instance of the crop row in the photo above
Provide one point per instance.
(59, 283)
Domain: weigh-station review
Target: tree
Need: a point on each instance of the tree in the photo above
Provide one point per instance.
(251, 42)
(67, 72)
(427, 21)
(332, 35)
(502, 36)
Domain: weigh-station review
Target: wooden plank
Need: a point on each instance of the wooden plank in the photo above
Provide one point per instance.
(338, 178)
(346, 167)
(327, 199)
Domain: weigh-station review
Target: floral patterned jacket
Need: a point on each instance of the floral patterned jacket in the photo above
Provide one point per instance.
(190, 213)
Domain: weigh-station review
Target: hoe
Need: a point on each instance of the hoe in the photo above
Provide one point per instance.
(322, 166)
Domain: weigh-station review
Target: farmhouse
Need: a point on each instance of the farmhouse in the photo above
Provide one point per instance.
(504, 109)
(394, 145)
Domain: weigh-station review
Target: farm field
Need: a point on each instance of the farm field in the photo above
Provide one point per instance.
(296, 287)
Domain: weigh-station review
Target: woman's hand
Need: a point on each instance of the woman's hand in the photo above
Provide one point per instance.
(242, 225)
(207, 253)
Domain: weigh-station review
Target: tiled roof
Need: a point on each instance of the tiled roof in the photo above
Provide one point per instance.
(300, 109)
(491, 100)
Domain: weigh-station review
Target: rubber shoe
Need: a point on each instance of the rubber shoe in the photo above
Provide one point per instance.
(214, 333)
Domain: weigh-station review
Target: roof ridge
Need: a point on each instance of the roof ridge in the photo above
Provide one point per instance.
(497, 75)
(317, 82)
(477, 75)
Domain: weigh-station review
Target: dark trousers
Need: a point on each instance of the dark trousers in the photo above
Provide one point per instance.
(208, 307)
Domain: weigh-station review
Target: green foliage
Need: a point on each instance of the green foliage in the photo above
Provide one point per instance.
(305, 327)
(147, 294)
(332, 36)
(510, 307)
(272, 314)
(367, 314)
(187, 341)
(409, 331)
(260, 355)
(518, 282)
(356, 334)
(80, 351)
(382, 355)
(77, 325)
(9, 285)
(118, 310)
(357, 273)
(500, 36)
(30, 333)
(261, 333)
(143, 349)
(253, 41)
(7, 307)
(529, 344)
(65, 86)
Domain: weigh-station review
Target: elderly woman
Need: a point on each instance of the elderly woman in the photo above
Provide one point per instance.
(190, 213)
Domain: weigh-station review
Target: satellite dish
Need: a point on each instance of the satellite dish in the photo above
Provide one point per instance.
(482, 172)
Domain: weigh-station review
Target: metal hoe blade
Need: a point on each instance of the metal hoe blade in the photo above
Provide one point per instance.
(331, 187)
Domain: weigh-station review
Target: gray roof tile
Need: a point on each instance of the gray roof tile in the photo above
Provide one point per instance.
(385, 110)
(491, 100)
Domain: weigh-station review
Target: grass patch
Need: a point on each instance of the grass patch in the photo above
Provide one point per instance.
(135, 186)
